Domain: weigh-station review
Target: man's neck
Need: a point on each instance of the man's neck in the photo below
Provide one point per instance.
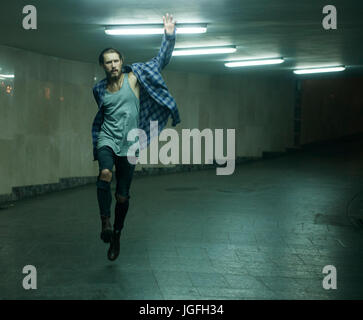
(115, 83)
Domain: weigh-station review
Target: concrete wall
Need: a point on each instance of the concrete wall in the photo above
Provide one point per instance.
(45, 121)
(46, 118)
(259, 107)
(331, 108)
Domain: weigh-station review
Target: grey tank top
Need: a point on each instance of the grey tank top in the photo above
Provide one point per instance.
(121, 114)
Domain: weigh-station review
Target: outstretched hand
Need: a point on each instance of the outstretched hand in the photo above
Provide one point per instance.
(169, 24)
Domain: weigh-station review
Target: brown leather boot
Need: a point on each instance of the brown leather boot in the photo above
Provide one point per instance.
(114, 249)
(106, 233)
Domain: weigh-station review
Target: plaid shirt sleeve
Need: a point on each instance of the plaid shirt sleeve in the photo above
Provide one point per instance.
(165, 53)
(153, 85)
(98, 90)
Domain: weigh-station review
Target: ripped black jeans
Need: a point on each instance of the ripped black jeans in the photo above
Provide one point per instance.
(124, 173)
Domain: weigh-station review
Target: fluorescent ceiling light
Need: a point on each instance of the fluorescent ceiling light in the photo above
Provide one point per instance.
(319, 70)
(135, 29)
(204, 50)
(246, 63)
(7, 76)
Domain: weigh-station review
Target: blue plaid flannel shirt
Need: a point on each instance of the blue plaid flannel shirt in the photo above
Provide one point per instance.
(156, 103)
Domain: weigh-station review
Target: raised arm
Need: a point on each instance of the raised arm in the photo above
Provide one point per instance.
(167, 44)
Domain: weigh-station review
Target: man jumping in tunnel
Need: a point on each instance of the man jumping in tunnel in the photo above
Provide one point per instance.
(128, 98)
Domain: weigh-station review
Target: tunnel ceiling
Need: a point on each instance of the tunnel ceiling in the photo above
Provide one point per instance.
(74, 29)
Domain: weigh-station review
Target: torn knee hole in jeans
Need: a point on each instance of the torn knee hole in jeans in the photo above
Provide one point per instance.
(105, 177)
(121, 199)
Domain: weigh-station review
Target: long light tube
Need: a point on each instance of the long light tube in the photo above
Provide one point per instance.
(204, 50)
(154, 29)
(246, 63)
(319, 70)
(7, 76)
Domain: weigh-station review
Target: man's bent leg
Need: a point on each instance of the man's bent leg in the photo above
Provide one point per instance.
(124, 173)
(121, 209)
(104, 196)
(122, 206)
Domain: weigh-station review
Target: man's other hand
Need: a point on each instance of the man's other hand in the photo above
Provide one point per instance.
(169, 24)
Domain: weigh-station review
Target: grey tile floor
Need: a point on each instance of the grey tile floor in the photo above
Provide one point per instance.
(265, 232)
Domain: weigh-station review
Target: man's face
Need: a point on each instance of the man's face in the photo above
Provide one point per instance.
(112, 65)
